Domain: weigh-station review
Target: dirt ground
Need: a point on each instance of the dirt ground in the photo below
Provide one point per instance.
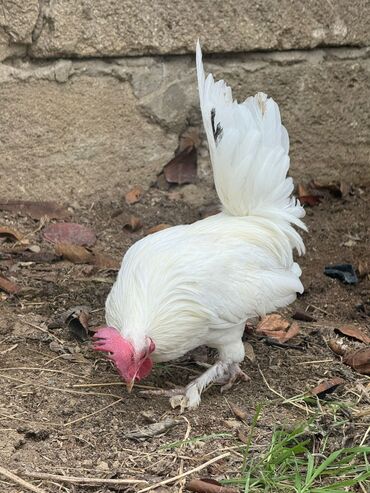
(63, 409)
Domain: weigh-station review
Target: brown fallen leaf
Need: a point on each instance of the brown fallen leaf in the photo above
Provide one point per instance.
(338, 189)
(327, 387)
(190, 138)
(359, 360)
(249, 352)
(131, 223)
(354, 332)
(159, 227)
(71, 233)
(35, 209)
(307, 198)
(102, 261)
(80, 255)
(303, 316)
(337, 347)
(277, 327)
(8, 286)
(153, 429)
(242, 435)
(74, 253)
(208, 486)
(272, 323)
(10, 234)
(77, 320)
(363, 269)
(291, 332)
(238, 412)
(30, 256)
(134, 195)
(183, 167)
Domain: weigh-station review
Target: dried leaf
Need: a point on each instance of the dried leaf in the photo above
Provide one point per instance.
(327, 387)
(74, 253)
(133, 195)
(291, 332)
(80, 255)
(132, 223)
(272, 323)
(305, 197)
(303, 316)
(238, 412)
(354, 332)
(277, 327)
(363, 269)
(8, 286)
(159, 227)
(72, 233)
(249, 352)
(359, 360)
(338, 189)
(10, 234)
(208, 486)
(190, 138)
(337, 347)
(35, 209)
(78, 322)
(243, 437)
(153, 429)
(102, 261)
(182, 168)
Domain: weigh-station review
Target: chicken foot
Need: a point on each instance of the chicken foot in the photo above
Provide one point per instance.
(189, 397)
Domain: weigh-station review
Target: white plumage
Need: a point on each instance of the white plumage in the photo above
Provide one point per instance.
(198, 284)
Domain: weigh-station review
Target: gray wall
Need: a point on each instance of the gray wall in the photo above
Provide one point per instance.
(94, 94)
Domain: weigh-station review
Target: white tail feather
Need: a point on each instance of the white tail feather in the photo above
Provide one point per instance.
(249, 152)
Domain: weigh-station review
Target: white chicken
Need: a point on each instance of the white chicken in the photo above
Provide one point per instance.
(198, 284)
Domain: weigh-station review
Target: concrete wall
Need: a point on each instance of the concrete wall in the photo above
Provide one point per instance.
(94, 93)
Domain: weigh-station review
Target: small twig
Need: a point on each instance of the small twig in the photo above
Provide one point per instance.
(16, 479)
(93, 414)
(314, 362)
(81, 480)
(36, 368)
(320, 309)
(9, 349)
(365, 437)
(285, 345)
(304, 408)
(59, 389)
(41, 329)
(181, 468)
(184, 474)
(108, 384)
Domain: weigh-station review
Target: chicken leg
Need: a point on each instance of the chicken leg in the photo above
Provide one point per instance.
(224, 373)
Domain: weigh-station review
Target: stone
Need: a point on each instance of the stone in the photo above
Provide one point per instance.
(78, 130)
(76, 139)
(85, 28)
(17, 22)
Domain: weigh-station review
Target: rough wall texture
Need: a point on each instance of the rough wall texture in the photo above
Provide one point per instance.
(95, 93)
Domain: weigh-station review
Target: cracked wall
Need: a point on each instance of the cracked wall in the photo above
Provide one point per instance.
(94, 94)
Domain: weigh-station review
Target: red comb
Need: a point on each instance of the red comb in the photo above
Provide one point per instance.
(109, 340)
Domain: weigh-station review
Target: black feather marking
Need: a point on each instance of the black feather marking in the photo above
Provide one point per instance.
(218, 131)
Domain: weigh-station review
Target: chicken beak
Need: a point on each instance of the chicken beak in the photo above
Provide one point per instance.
(130, 385)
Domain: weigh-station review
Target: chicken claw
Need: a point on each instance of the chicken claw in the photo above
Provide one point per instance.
(235, 374)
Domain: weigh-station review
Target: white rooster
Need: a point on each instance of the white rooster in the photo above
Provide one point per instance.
(198, 284)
